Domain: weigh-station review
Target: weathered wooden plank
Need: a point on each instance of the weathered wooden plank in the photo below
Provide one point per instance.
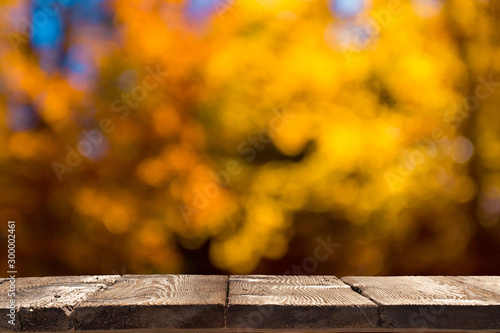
(430, 302)
(156, 301)
(489, 283)
(296, 302)
(185, 302)
(47, 303)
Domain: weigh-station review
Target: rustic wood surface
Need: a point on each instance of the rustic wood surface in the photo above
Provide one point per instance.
(300, 302)
(246, 303)
(47, 303)
(489, 283)
(431, 302)
(156, 301)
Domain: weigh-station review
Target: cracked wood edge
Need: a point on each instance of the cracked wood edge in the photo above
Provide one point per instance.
(47, 303)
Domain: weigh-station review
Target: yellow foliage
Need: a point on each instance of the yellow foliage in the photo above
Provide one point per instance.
(256, 125)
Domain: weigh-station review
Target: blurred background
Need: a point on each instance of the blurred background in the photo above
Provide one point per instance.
(343, 137)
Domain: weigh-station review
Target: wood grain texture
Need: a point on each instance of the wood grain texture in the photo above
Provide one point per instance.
(47, 303)
(430, 302)
(489, 283)
(296, 302)
(157, 301)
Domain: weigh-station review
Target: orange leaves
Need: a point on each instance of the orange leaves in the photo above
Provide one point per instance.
(267, 114)
(166, 122)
